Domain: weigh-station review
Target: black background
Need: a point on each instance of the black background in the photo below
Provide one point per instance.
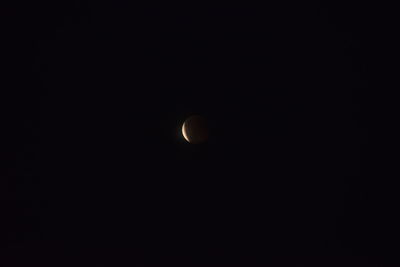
(95, 171)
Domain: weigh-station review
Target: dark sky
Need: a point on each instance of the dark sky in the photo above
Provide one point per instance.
(94, 169)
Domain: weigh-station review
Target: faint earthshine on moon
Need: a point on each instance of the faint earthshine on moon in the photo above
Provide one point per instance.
(195, 129)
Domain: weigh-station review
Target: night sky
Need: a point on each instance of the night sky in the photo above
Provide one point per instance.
(95, 171)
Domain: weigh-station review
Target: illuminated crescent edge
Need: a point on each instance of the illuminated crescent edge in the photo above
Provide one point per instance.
(184, 132)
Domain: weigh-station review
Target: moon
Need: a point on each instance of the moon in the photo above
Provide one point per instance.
(195, 129)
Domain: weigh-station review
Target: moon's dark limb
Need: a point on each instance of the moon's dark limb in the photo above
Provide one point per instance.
(195, 129)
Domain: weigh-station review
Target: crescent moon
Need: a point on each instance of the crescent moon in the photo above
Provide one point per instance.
(184, 132)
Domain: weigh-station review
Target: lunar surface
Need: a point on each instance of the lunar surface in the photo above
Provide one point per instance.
(195, 129)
